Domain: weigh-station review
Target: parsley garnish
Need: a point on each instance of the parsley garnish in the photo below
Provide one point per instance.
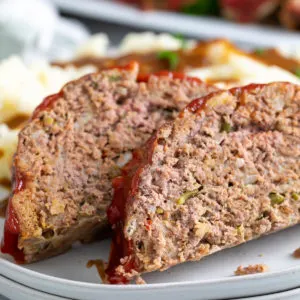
(297, 72)
(259, 51)
(171, 57)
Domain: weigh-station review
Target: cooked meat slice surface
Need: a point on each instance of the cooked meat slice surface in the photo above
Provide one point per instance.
(226, 171)
(74, 145)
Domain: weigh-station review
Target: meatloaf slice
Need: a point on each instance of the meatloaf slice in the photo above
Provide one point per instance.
(74, 145)
(224, 172)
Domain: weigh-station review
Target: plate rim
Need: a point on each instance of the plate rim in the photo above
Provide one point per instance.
(165, 285)
(289, 292)
(23, 288)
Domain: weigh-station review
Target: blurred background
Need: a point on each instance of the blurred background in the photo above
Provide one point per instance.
(56, 27)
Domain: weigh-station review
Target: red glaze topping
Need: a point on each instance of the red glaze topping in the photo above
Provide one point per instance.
(120, 247)
(9, 242)
(249, 87)
(196, 105)
(47, 103)
(129, 67)
(171, 75)
(125, 188)
(199, 104)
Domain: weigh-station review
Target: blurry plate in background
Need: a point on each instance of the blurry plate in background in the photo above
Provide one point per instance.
(48, 36)
(194, 26)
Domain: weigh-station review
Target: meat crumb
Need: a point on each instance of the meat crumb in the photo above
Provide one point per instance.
(100, 265)
(140, 280)
(251, 269)
(296, 253)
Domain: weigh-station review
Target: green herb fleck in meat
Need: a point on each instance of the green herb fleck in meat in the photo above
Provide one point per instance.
(159, 210)
(276, 198)
(240, 230)
(263, 215)
(171, 57)
(225, 126)
(113, 78)
(94, 85)
(297, 72)
(185, 196)
(295, 196)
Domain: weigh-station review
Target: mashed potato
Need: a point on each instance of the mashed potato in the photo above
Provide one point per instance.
(149, 41)
(95, 46)
(231, 67)
(22, 88)
(8, 144)
(291, 51)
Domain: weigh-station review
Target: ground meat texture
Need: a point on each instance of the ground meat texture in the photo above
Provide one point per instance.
(251, 269)
(226, 171)
(74, 145)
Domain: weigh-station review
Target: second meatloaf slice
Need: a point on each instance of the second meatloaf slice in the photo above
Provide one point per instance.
(74, 145)
(226, 171)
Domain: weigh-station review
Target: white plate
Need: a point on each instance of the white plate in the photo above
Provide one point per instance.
(212, 278)
(199, 27)
(15, 291)
(289, 295)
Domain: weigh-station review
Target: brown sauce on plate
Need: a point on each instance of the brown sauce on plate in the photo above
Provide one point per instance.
(273, 57)
(17, 121)
(3, 207)
(187, 59)
(149, 62)
(296, 253)
(6, 183)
